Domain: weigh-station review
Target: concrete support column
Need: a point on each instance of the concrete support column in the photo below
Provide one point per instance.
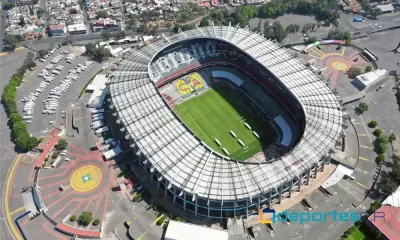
(208, 212)
(290, 188)
(165, 188)
(316, 170)
(308, 176)
(184, 202)
(247, 208)
(270, 199)
(195, 208)
(174, 198)
(323, 163)
(280, 193)
(300, 180)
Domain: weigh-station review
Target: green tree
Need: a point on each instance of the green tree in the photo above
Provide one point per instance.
(396, 167)
(11, 39)
(368, 69)
(61, 145)
(362, 107)
(338, 34)
(372, 124)
(73, 218)
(120, 35)
(377, 132)
(279, 31)
(292, 28)
(382, 142)
(204, 22)
(243, 14)
(102, 14)
(311, 40)
(380, 158)
(21, 21)
(96, 222)
(353, 72)
(43, 52)
(272, 10)
(106, 34)
(40, 12)
(85, 218)
(388, 186)
(392, 137)
(8, 6)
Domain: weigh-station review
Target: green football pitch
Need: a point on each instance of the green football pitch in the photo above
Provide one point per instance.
(214, 113)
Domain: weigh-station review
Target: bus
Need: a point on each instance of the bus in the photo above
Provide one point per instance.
(101, 130)
(94, 111)
(97, 118)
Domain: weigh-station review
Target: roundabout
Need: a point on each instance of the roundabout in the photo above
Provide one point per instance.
(86, 178)
(339, 66)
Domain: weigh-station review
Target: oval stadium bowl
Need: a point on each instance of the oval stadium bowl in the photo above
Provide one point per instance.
(223, 120)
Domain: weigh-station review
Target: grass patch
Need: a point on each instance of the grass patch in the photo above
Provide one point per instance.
(214, 113)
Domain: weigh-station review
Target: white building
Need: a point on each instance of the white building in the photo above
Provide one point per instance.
(100, 90)
(367, 79)
(79, 28)
(387, 8)
(183, 231)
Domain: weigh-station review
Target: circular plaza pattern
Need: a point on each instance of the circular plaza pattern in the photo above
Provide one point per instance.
(86, 178)
(339, 65)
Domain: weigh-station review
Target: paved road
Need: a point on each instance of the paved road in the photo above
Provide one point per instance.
(89, 36)
(8, 65)
(2, 27)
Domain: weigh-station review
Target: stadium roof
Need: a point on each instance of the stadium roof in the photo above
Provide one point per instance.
(182, 159)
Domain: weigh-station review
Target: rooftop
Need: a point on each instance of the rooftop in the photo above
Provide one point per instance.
(390, 224)
(183, 231)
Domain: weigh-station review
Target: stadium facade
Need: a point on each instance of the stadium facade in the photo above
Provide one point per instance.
(195, 178)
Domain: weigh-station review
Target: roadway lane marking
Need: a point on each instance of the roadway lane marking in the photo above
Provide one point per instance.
(359, 170)
(344, 48)
(366, 147)
(356, 123)
(79, 118)
(152, 225)
(364, 159)
(366, 130)
(361, 185)
(17, 210)
(7, 209)
(362, 135)
(313, 56)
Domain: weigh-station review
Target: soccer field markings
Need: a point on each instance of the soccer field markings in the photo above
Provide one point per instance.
(233, 119)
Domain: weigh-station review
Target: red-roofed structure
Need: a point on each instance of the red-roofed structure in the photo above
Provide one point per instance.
(77, 232)
(389, 225)
(46, 145)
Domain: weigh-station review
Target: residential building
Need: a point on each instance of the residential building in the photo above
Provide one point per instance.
(79, 28)
(385, 222)
(106, 24)
(58, 30)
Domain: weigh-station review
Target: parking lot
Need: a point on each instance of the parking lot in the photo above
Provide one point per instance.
(40, 122)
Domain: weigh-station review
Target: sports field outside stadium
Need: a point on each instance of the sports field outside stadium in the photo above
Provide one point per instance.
(215, 112)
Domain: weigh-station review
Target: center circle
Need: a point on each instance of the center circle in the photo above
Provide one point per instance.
(86, 178)
(339, 65)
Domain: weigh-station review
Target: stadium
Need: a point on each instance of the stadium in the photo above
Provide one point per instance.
(224, 121)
